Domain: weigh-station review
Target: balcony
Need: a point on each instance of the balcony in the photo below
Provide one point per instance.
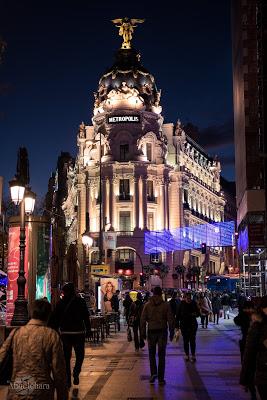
(124, 197)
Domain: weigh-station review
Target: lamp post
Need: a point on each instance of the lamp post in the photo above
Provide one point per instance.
(24, 197)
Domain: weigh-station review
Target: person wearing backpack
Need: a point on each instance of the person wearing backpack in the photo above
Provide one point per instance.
(134, 321)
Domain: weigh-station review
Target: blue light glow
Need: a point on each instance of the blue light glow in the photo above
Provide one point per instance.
(219, 234)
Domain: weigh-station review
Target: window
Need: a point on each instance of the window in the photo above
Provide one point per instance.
(125, 255)
(150, 221)
(124, 189)
(95, 257)
(150, 191)
(149, 151)
(212, 267)
(155, 258)
(125, 221)
(124, 152)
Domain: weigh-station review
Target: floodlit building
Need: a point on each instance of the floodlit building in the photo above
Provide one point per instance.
(134, 173)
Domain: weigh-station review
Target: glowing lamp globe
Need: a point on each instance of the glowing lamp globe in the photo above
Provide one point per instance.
(87, 240)
(29, 201)
(17, 191)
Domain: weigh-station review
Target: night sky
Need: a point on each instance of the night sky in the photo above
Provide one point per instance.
(57, 51)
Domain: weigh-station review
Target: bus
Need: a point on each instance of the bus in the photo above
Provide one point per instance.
(221, 282)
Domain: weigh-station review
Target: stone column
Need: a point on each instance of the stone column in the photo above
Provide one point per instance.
(162, 206)
(167, 214)
(136, 201)
(81, 230)
(141, 215)
(111, 201)
(144, 179)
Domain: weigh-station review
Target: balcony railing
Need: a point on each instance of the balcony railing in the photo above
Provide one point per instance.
(124, 233)
(124, 197)
(151, 199)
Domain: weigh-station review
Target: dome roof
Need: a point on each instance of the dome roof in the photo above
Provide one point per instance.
(128, 70)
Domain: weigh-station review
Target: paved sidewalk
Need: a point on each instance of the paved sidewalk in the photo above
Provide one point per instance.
(114, 371)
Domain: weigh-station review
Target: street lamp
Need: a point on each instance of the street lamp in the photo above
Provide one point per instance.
(26, 199)
(87, 240)
(22, 195)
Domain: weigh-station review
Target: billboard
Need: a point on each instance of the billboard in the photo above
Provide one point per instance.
(13, 269)
(42, 268)
(108, 289)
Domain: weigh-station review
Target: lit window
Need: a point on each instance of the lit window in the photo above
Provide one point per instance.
(150, 191)
(124, 152)
(125, 221)
(124, 189)
(155, 258)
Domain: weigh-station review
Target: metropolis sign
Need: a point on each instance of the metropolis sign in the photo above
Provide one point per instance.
(118, 119)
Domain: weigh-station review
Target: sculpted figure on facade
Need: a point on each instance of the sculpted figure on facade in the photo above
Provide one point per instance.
(82, 131)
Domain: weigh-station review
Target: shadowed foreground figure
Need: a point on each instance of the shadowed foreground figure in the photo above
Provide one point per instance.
(158, 316)
(71, 318)
(38, 359)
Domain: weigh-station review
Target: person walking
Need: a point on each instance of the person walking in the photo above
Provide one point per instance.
(127, 304)
(115, 304)
(174, 304)
(254, 370)
(134, 321)
(158, 316)
(205, 309)
(38, 359)
(225, 300)
(216, 307)
(71, 319)
(186, 320)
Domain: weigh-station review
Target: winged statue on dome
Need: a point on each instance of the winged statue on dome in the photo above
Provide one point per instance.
(126, 27)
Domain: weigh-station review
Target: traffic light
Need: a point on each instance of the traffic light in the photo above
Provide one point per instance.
(203, 248)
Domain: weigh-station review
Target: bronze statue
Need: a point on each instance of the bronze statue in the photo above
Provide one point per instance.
(126, 27)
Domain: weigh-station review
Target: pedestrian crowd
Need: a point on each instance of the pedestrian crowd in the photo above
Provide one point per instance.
(42, 349)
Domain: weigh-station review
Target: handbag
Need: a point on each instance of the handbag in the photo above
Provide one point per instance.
(6, 366)
(129, 334)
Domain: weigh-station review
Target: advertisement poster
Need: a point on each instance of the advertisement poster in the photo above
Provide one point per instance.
(108, 289)
(43, 271)
(13, 269)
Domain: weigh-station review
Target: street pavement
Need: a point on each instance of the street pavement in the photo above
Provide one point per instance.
(114, 371)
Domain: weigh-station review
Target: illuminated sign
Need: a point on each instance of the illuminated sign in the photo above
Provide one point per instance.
(118, 119)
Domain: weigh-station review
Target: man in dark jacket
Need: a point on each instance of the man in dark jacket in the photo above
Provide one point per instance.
(71, 319)
(187, 321)
(157, 314)
(134, 319)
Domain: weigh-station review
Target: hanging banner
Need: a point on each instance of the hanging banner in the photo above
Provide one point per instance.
(13, 269)
(109, 240)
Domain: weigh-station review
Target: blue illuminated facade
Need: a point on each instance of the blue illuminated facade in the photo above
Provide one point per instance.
(219, 234)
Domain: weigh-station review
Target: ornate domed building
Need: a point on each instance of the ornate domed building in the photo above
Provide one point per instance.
(133, 174)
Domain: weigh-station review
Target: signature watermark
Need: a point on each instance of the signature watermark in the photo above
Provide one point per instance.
(26, 385)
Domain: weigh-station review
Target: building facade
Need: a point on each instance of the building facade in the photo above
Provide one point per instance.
(249, 93)
(134, 173)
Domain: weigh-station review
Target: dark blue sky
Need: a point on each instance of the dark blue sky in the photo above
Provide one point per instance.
(57, 51)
